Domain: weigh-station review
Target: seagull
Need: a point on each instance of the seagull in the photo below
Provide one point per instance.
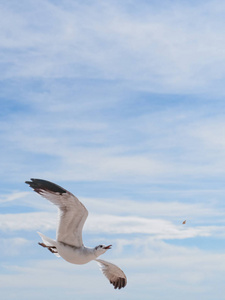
(69, 244)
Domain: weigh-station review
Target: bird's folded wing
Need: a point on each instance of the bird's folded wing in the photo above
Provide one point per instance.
(72, 212)
(114, 274)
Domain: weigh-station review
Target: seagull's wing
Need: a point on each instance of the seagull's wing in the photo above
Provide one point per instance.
(114, 274)
(73, 213)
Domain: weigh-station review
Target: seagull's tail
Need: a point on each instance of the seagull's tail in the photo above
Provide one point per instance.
(48, 242)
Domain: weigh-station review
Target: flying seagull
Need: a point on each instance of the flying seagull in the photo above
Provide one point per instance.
(69, 244)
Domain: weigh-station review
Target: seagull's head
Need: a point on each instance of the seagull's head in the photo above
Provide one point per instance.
(100, 249)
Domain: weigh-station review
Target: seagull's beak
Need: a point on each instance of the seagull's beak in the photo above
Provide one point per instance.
(108, 247)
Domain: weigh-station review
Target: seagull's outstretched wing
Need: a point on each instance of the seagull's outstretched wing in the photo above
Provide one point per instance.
(113, 273)
(73, 213)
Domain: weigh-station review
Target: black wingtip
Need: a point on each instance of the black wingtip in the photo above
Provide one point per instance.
(119, 283)
(39, 185)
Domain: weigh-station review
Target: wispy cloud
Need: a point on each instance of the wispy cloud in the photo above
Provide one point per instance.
(120, 102)
(12, 196)
(12, 246)
(155, 48)
(110, 224)
(177, 148)
(184, 271)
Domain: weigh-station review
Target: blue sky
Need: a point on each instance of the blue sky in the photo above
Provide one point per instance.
(121, 103)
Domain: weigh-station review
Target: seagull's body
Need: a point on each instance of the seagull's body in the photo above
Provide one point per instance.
(72, 254)
(75, 255)
(69, 244)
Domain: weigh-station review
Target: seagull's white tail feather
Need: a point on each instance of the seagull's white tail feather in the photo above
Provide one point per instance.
(48, 241)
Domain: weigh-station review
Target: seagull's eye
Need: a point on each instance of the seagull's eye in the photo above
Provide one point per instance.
(100, 246)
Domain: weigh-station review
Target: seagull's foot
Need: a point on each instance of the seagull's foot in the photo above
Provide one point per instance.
(43, 245)
(50, 248)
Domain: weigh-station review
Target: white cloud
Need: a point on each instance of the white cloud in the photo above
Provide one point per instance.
(155, 48)
(159, 228)
(166, 145)
(155, 151)
(211, 133)
(170, 209)
(191, 273)
(12, 246)
(110, 224)
(28, 221)
(13, 196)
